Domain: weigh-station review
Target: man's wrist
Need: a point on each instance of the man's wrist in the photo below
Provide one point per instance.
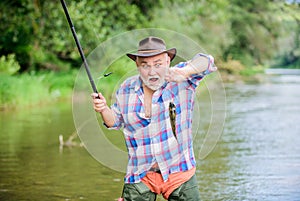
(104, 110)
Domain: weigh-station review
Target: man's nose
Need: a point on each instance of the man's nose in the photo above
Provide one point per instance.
(152, 71)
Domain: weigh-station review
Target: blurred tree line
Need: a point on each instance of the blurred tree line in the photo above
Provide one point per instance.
(34, 34)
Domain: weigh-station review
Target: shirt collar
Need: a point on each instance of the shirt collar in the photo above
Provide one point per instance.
(138, 84)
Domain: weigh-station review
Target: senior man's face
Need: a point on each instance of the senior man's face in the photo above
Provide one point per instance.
(153, 70)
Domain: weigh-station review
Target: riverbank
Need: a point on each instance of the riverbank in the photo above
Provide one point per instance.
(31, 89)
(42, 88)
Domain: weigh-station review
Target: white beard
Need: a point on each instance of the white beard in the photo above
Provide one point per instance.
(151, 86)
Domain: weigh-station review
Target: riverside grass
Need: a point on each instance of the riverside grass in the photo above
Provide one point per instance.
(30, 89)
(44, 87)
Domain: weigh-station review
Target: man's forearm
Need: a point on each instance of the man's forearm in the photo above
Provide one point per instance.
(108, 117)
(200, 64)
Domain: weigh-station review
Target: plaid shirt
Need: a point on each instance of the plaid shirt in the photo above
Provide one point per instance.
(151, 140)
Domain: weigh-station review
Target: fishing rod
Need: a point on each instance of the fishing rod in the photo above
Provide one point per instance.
(87, 69)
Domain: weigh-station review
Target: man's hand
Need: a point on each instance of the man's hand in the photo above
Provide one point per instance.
(175, 75)
(99, 102)
(201, 64)
(100, 106)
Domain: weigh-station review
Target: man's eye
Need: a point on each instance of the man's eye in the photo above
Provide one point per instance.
(157, 65)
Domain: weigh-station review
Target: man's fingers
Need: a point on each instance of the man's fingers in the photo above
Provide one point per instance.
(99, 102)
(94, 95)
(99, 96)
(99, 105)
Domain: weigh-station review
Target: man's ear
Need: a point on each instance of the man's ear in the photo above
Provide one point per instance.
(138, 61)
(168, 60)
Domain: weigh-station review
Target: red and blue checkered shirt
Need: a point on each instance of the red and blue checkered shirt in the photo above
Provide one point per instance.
(151, 140)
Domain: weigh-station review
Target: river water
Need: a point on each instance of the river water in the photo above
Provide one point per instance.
(256, 158)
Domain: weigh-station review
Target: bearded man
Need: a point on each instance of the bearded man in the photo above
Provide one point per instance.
(155, 110)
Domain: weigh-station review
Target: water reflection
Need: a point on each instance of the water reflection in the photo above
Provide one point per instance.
(32, 167)
(257, 157)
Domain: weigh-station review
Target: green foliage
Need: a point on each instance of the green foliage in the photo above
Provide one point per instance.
(231, 66)
(247, 32)
(8, 65)
(41, 26)
(254, 29)
(240, 35)
(38, 34)
(290, 59)
(146, 6)
(254, 70)
(206, 22)
(289, 54)
(16, 30)
(94, 22)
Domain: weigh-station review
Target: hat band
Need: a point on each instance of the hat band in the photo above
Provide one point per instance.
(150, 51)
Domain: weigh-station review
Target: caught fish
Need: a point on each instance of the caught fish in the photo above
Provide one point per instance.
(172, 112)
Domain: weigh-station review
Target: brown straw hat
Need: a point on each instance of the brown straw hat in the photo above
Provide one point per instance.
(152, 46)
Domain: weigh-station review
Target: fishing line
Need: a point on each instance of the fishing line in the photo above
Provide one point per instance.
(92, 25)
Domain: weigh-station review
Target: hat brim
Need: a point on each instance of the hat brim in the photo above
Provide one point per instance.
(171, 52)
